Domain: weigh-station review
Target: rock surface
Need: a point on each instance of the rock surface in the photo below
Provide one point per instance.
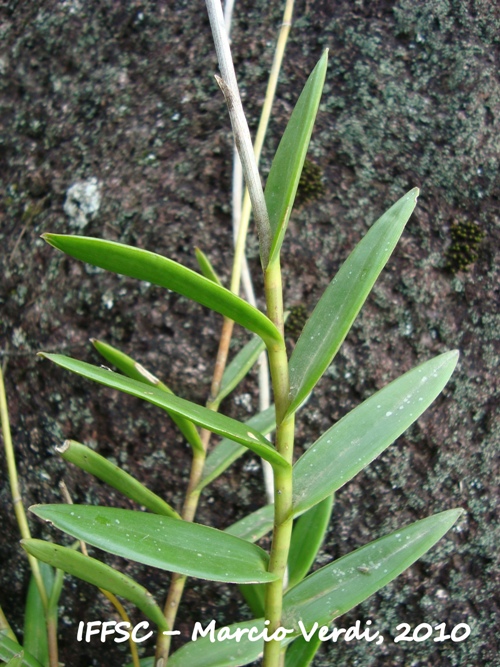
(124, 93)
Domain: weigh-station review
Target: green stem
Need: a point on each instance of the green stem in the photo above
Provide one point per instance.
(278, 362)
(50, 612)
(22, 521)
(283, 521)
(282, 533)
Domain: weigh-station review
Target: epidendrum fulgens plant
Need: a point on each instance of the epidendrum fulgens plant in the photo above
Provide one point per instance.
(288, 603)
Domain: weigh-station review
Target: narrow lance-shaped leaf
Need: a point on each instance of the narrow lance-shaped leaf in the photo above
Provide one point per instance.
(255, 597)
(337, 309)
(9, 649)
(159, 541)
(239, 367)
(16, 661)
(286, 168)
(220, 424)
(35, 639)
(338, 587)
(253, 526)
(158, 270)
(307, 538)
(359, 437)
(56, 590)
(227, 451)
(92, 462)
(96, 573)
(206, 266)
(136, 371)
(301, 653)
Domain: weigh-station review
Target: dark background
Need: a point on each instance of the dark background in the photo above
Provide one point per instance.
(124, 92)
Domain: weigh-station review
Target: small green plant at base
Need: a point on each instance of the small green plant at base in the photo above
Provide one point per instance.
(295, 321)
(310, 184)
(288, 603)
(466, 237)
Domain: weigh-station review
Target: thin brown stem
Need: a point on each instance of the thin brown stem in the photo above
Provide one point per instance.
(52, 639)
(220, 362)
(191, 500)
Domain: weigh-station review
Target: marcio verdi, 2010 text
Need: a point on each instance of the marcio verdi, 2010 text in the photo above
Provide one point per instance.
(139, 633)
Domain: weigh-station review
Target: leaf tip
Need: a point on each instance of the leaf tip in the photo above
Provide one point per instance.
(452, 357)
(48, 238)
(34, 509)
(60, 449)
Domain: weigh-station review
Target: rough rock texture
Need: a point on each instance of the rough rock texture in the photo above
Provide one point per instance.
(124, 93)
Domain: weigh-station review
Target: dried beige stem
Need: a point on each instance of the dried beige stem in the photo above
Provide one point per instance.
(229, 86)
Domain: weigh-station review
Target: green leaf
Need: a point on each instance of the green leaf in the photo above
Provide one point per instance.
(206, 266)
(208, 652)
(255, 597)
(159, 541)
(16, 661)
(255, 525)
(158, 270)
(239, 367)
(223, 426)
(227, 451)
(96, 573)
(338, 587)
(359, 437)
(92, 462)
(10, 649)
(301, 653)
(307, 538)
(35, 626)
(133, 369)
(337, 309)
(55, 593)
(286, 168)
(252, 528)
